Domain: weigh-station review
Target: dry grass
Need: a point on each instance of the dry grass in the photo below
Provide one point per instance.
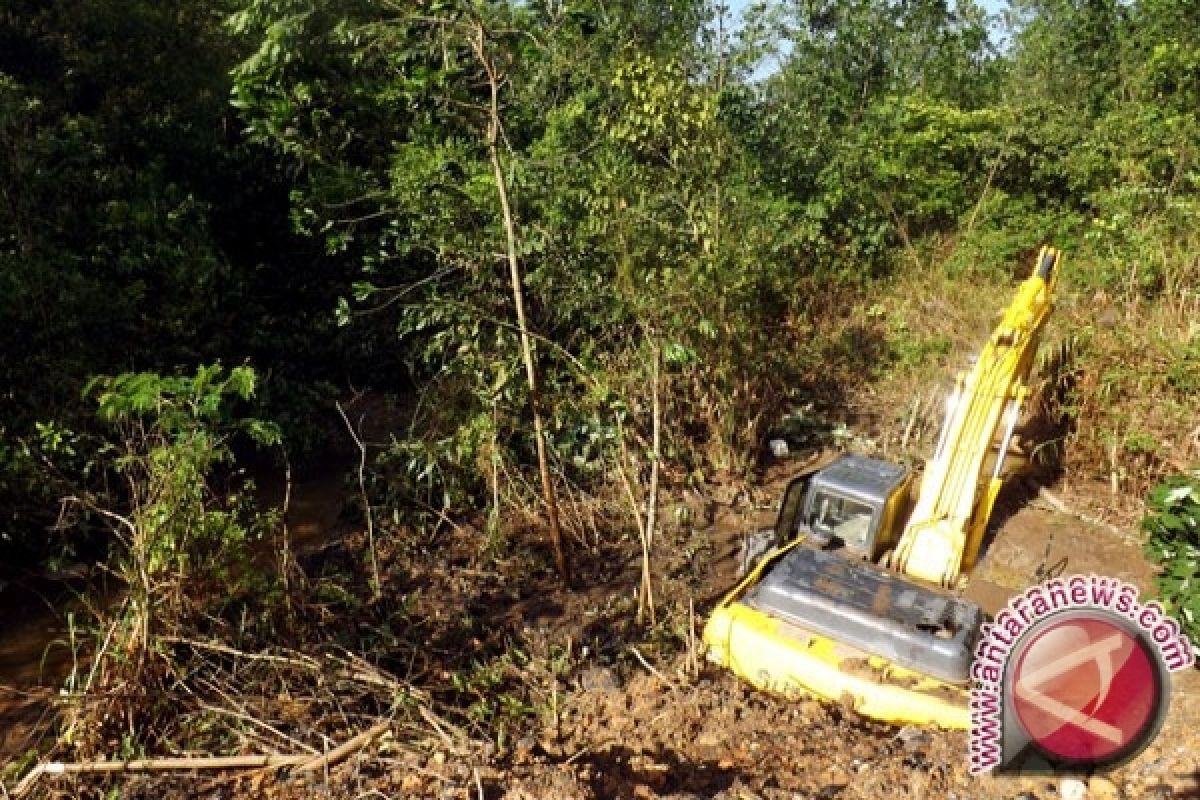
(1136, 416)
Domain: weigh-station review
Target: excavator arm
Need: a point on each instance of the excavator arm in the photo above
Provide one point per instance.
(945, 530)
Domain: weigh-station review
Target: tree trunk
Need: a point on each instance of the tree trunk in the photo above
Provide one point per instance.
(514, 268)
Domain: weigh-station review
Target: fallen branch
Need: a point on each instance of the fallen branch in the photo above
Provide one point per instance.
(158, 765)
(305, 762)
(355, 668)
(441, 726)
(345, 749)
(257, 723)
(302, 661)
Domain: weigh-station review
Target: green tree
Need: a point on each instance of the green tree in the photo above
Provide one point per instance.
(871, 102)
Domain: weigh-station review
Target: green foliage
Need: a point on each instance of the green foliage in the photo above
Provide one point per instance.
(1001, 227)
(139, 231)
(494, 694)
(923, 170)
(909, 350)
(113, 162)
(424, 474)
(873, 124)
(641, 221)
(182, 524)
(1173, 522)
(1184, 374)
(310, 189)
(174, 432)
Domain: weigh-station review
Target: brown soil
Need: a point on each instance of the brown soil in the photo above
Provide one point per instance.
(615, 709)
(1037, 542)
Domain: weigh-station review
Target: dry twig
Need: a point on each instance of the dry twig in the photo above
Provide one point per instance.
(366, 501)
(645, 591)
(304, 763)
(298, 660)
(1057, 504)
(654, 671)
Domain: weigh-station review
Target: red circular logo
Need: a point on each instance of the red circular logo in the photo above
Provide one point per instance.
(1086, 689)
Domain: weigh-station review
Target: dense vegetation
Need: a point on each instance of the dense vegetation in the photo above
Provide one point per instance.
(548, 229)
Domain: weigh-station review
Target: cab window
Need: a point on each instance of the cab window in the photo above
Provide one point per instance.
(849, 520)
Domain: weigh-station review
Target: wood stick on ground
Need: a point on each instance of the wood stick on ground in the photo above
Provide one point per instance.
(346, 748)
(670, 684)
(158, 765)
(438, 724)
(257, 723)
(305, 762)
(300, 660)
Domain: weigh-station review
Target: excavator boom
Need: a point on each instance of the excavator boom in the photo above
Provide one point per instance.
(946, 527)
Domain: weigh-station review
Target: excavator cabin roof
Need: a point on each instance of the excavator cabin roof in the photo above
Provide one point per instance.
(861, 476)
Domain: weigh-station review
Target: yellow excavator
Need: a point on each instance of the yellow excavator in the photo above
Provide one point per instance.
(858, 595)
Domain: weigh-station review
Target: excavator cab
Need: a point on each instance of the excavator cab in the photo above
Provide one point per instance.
(853, 504)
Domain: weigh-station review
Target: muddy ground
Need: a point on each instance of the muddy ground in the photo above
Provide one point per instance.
(513, 688)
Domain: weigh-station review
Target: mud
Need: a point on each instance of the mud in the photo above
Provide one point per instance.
(1035, 543)
(35, 656)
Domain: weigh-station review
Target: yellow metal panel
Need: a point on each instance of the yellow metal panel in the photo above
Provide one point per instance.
(979, 524)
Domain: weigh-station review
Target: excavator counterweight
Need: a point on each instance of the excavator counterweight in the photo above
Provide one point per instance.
(856, 602)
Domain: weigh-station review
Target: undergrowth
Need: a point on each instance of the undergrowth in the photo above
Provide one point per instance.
(176, 538)
(1173, 524)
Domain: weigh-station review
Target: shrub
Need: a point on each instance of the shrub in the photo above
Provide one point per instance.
(175, 536)
(1173, 522)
